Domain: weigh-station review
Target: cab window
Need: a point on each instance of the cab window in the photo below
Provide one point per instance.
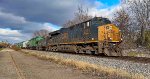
(88, 24)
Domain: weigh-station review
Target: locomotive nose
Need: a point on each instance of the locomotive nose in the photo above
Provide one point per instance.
(109, 33)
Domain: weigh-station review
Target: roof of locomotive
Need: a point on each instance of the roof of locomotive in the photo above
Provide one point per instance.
(62, 29)
(87, 21)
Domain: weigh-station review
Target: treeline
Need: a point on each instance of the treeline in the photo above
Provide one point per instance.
(133, 18)
(4, 44)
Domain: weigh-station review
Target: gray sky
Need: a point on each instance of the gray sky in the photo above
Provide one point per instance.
(20, 18)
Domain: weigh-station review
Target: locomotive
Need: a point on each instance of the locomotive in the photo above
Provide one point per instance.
(95, 36)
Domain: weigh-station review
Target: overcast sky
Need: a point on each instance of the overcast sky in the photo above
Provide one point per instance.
(20, 18)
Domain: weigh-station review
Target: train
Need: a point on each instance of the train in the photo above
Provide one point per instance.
(94, 36)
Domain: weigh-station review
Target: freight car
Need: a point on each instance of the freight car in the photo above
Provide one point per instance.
(42, 44)
(20, 45)
(95, 36)
(24, 44)
(33, 43)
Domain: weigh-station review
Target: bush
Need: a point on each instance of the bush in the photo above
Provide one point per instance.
(14, 47)
(3, 45)
(146, 42)
(147, 38)
(1, 49)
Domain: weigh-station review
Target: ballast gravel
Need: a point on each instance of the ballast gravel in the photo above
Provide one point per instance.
(129, 66)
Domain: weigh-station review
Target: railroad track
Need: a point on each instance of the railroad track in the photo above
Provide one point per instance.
(18, 70)
(124, 58)
(134, 59)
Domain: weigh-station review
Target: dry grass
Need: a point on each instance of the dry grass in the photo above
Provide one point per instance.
(109, 73)
(1, 49)
(15, 48)
(132, 54)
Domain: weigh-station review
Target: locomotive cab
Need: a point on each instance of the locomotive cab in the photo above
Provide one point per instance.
(109, 38)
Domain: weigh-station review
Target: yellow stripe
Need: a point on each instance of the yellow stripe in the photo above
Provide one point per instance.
(77, 42)
(82, 42)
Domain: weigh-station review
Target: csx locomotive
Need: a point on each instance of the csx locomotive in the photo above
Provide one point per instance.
(95, 36)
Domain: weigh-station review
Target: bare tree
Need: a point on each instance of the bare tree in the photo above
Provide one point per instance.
(140, 10)
(42, 33)
(81, 15)
(133, 20)
(123, 21)
(4, 44)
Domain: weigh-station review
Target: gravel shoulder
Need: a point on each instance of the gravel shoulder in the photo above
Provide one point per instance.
(32, 68)
(129, 66)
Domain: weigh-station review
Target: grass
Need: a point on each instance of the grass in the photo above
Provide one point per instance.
(1, 49)
(15, 48)
(147, 39)
(109, 73)
(137, 54)
(132, 54)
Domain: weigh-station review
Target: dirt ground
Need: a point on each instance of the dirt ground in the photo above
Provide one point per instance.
(15, 65)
